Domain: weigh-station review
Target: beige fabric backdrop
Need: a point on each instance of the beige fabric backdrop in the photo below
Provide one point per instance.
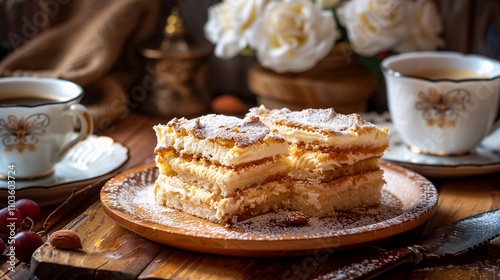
(93, 43)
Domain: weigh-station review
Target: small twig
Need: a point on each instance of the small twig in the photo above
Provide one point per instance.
(66, 202)
(74, 194)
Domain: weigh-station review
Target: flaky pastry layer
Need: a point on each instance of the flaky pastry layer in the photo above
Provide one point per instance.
(346, 193)
(171, 191)
(217, 151)
(322, 126)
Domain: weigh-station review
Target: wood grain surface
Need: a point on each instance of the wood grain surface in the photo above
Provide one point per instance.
(112, 252)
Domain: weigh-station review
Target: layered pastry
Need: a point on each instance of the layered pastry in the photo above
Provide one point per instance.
(221, 168)
(334, 158)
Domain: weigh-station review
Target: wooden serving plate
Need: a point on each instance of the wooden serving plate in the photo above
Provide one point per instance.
(408, 201)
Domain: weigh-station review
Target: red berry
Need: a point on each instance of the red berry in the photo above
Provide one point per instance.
(25, 243)
(2, 247)
(10, 221)
(28, 208)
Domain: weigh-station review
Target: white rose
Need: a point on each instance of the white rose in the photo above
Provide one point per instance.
(229, 23)
(373, 25)
(293, 35)
(424, 27)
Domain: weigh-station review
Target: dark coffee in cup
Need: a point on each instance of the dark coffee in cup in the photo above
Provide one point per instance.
(30, 99)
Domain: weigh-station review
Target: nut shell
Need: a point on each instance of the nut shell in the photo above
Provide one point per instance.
(65, 239)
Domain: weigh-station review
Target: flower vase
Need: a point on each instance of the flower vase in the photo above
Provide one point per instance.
(337, 81)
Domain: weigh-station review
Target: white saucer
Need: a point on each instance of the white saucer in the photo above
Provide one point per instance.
(485, 159)
(93, 159)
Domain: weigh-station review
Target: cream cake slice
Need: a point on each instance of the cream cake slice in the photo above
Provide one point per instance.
(334, 158)
(221, 168)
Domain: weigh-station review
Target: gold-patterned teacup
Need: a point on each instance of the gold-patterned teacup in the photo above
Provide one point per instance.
(442, 103)
(38, 117)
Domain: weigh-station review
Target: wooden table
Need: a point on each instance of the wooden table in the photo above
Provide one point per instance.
(117, 249)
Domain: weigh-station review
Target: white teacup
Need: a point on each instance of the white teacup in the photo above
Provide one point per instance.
(442, 103)
(37, 124)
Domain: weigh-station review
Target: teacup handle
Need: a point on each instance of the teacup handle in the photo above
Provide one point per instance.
(86, 127)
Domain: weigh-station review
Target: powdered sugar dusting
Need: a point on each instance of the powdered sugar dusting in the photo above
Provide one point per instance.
(134, 199)
(345, 223)
(244, 132)
(123, 196)
(325, 120)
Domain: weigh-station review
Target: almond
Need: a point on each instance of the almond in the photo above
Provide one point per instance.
(65, 239)
(297, 218)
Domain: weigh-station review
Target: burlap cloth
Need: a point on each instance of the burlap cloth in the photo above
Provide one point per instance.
(93, 43)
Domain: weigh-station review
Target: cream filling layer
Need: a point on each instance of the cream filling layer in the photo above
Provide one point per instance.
(225, 155)
(316, 160)
(372, 137)
(223, 206)
(223, 180)
(337, 186)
